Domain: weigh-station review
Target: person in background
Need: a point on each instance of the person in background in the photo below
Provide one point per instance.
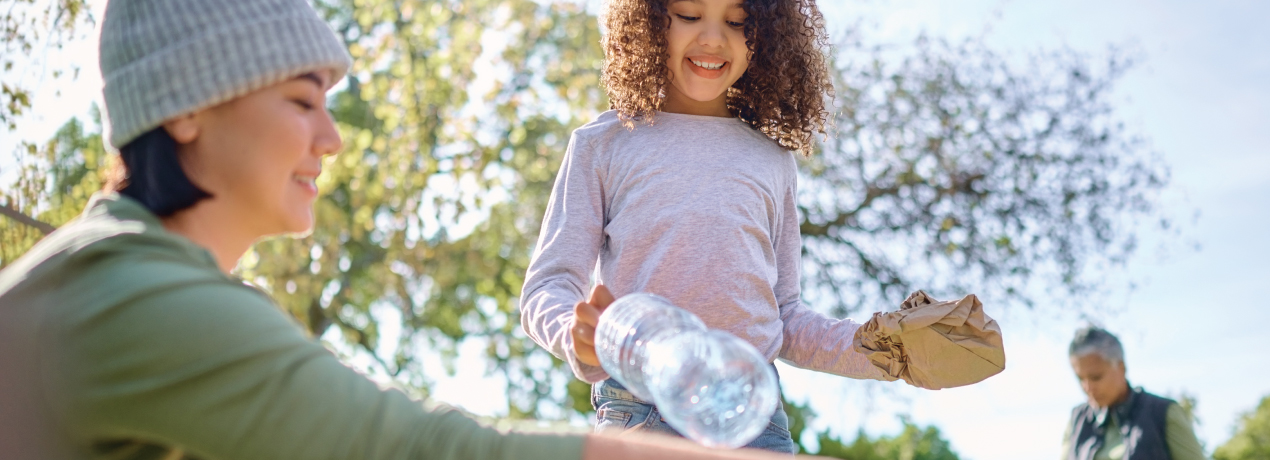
(1120, 422)
(123, 335)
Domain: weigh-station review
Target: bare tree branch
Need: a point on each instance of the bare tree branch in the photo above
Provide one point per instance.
(25, 219)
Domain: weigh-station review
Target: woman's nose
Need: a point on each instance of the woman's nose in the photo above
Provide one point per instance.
(328, 141)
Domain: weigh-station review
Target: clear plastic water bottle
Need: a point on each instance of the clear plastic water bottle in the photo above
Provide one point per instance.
(711, 386)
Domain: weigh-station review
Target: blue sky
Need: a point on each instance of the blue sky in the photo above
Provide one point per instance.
(1196, 322)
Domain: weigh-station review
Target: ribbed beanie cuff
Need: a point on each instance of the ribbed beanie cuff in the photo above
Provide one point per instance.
(164, 58)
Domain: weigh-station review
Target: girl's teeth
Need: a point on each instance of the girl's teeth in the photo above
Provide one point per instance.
(708, 65)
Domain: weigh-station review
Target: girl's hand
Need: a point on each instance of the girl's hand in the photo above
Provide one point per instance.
(585, 316)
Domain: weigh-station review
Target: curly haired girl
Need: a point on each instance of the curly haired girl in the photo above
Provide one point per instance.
(687, 189)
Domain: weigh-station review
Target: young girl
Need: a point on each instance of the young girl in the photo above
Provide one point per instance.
(123, 335)
(687, 189)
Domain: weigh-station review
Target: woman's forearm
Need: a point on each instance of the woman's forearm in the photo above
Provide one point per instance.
(631, 446)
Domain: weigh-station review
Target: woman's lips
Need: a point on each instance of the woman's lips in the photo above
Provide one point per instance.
(307, 182)
(704, 72)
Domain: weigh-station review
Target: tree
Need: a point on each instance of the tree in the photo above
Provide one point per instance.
(56, 180)
(30, 30)
(455, 117)
(912, 443)
(955, 170)
(1252, 437)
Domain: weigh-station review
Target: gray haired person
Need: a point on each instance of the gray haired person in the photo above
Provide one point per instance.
(1120, 422)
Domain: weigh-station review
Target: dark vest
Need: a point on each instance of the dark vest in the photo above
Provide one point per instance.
(1141, 420)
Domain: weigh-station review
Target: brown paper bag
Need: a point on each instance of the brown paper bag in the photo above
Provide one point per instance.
(932, 344)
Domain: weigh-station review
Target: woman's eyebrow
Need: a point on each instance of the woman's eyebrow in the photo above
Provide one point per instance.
(313, 77)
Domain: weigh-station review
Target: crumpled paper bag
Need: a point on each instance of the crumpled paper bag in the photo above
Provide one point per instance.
(932, 344)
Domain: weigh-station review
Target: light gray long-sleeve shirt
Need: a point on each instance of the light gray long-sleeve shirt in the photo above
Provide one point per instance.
(699, 210)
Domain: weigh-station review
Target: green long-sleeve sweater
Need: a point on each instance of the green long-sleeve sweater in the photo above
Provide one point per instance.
(121, 340)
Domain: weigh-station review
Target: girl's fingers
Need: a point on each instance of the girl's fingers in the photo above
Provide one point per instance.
(584, 344)
(586, 313)
(586, 316)
(600, 297)
(584, 334)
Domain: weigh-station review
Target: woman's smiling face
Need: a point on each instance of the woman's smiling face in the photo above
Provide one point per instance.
(707, 51)
(259, 155)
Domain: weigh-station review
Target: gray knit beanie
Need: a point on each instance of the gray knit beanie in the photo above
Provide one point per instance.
(164, 58)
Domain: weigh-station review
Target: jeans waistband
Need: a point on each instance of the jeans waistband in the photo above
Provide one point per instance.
(612, 389)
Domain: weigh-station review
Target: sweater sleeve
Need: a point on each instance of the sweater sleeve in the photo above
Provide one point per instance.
(1066, 449)
(216, 370)
(811, 340)
(568, 246)
(1179, 435)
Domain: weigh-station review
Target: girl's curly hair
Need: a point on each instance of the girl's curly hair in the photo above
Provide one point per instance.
(782, 93)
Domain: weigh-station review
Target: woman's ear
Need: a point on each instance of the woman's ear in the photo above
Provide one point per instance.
(183, 129)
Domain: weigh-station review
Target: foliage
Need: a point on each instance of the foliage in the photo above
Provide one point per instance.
(1252, 437)
(29, 29)
(455, 117)
(57, 180)
(957, 170)
(912, 443)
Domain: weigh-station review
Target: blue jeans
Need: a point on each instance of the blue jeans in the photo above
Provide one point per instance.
(618, 410)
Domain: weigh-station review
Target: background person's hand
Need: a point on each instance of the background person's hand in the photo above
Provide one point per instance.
(585, 316)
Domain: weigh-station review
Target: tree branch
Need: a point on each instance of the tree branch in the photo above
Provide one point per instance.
(27, 220)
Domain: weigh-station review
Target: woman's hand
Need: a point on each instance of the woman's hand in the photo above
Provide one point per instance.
(585, 316)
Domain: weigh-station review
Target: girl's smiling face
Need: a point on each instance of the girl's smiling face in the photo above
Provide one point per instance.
(707, 54)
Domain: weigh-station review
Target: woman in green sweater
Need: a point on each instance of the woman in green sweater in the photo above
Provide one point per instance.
(123, 336)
